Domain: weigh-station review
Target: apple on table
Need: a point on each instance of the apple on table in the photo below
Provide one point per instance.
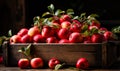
(36, 63)
(82, 63)
(53, 62)
(23, 63)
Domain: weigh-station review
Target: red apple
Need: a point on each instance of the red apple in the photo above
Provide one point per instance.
(51, 40)
(36, 63)
(74, 21)
(15, 39)
(47, 31)
(53, 62)
(56, 19)
(63, 33)
(82, 63)
(64, 41)
(33, 31)
(23, 63)
(75, 37)
(95, 23)
(108, 35)
(97, 38)
(26, 39)
(87, 39)
(38, 38)
(75, 28)
(103, 29)
(22, 32)
(1, 59)
(65, 17)
(65, 24)
(56, 27)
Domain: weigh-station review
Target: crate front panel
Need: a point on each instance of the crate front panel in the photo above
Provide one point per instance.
(67, 53)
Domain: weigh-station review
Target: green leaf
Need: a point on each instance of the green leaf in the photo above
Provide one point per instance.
(82, 17)
(70, 11)
(50, 18)
(76, 17)
(27, 50)
(36, 21)
(84, 27)
(58, 66)
(86, 33)
(116, 29)
(58, 12)
(10, 33)
(94, 15)
(2, 39)
(36, 18)
(46, 14)
(82, 14)
(93, 30)
(51, 8)
(45, 20)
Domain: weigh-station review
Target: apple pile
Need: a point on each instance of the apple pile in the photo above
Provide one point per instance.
(63, 27)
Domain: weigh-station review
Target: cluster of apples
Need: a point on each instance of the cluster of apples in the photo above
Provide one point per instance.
(53, 63)
(63, 27)
(67, 33)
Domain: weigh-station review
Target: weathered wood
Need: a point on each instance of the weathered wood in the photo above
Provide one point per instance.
(3, 68)
(98, 54)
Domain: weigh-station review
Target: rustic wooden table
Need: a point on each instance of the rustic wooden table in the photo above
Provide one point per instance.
(3, 68)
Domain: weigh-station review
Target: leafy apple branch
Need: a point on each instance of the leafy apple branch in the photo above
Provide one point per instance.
(26, 51)
(5, 38)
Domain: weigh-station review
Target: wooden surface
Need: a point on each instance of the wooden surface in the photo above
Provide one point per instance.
(3, 68)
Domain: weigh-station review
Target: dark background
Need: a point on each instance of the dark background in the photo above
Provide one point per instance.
(14, 14)
(106, 9)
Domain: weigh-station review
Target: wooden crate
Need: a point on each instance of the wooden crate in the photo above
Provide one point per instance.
(115, 44)
(98, 54)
